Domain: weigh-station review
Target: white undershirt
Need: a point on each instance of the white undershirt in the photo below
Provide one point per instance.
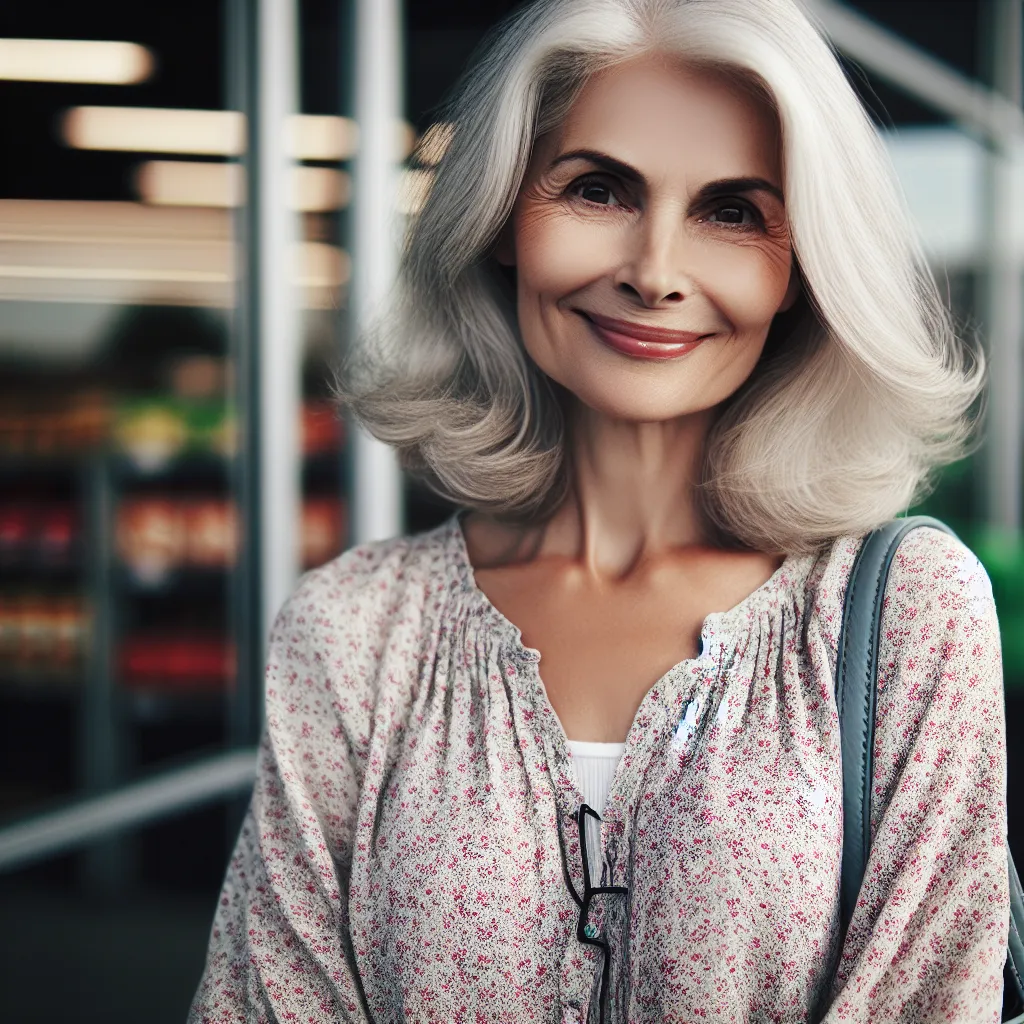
(594, 765)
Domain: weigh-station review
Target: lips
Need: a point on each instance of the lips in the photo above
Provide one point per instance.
(639, 340)
(656, 335)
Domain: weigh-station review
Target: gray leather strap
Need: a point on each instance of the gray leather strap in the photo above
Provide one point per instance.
(857, 670)
(856, 679)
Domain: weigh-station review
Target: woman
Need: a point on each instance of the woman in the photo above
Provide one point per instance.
(668, 438)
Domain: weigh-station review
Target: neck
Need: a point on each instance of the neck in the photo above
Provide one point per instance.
(633, 492)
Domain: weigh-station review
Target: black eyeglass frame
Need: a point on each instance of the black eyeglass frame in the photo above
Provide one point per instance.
(584, 901)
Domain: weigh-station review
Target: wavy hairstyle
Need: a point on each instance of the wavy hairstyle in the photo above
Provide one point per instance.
(863, 388)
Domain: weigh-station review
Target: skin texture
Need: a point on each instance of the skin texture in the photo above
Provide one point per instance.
(613, 590)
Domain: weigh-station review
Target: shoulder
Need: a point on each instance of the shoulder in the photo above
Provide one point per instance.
(939, 632)
(936, 578)
(375, 597)
(371, 580)
(347, 646)
(940, 678)
(935, 582)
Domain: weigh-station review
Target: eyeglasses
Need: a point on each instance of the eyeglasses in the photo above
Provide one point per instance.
(586, 932)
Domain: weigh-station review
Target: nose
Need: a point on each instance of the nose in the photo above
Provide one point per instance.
(655, 271)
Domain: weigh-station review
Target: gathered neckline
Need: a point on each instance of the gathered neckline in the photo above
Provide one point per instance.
(717, 625)
(721, 638)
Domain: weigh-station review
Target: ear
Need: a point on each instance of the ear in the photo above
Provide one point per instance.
(793, 289)
(505, 248)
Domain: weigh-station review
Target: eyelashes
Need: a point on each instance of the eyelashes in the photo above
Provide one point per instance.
(595, 185)
(600, 190)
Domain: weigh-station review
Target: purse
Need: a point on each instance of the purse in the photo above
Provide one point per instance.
(856, 680)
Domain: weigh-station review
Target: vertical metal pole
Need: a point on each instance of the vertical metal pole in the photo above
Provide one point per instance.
(1002, 277)
(261, 38)
(241, 93)
(280, 347)
(104, 865)
(376, 501)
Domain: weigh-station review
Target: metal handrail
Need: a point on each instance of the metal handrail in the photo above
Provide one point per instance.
(973, 105)
(84, 821)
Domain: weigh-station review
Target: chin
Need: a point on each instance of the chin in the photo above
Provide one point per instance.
(642, 402)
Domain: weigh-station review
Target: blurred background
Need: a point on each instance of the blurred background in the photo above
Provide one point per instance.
(197, 202)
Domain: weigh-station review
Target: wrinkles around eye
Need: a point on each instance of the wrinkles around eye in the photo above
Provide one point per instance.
(606, 194)
(745, 210)
(594, 184)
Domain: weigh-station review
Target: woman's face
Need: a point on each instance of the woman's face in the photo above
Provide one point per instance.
(656, 204)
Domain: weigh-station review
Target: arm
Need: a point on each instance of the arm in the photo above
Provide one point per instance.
(927, 941)
(280, 947)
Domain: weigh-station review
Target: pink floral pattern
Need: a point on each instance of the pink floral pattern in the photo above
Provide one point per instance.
(405, 854)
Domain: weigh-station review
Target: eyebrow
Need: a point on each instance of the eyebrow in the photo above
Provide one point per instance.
(711, 190)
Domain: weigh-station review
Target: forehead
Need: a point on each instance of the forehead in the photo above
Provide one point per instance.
(656, 113)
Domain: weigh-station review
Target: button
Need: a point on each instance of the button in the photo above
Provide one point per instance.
(590, 931)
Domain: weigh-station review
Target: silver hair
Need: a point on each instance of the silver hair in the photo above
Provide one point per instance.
(864, 387)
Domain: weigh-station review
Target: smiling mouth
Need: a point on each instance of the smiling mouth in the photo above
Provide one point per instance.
(639, 340)
(641, 332)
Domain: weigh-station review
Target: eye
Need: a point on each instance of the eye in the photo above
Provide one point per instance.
(595, 189)
(735, 213)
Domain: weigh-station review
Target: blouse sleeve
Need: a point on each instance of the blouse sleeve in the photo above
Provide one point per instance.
(927, 940)
(280, 947)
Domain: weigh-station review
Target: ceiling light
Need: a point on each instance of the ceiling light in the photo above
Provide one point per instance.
(129, 253)
(74, 60)
(191, 183)
(321, 137)
(156, 130)
(188, 183)
(212, 132)
(319, 189)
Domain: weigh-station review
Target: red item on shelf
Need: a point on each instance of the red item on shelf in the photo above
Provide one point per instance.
(211, 529)
(15, 533)
(177, 663)
(57, 534)
(151, 537)
(323, 530)
(323, 430)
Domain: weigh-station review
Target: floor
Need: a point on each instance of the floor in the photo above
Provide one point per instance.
(65, 959)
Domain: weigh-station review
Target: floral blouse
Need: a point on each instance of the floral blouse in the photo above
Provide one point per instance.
(412, 851)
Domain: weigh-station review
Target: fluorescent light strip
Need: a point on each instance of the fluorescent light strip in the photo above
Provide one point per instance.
(320, 189)
(74, 60)
(211, 132)
(156, 130)
(189, 183)
(51, 273)
(322, 137)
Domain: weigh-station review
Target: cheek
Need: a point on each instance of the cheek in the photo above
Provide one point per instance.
(558, 254)
(748, 283)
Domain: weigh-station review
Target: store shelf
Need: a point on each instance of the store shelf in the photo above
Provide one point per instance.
(42, 576)
(192, 468)
(42, 685)
(43, 464)
(158, 706)
(181, 582)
